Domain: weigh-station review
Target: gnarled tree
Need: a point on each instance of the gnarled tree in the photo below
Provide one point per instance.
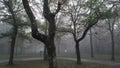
(48, 40)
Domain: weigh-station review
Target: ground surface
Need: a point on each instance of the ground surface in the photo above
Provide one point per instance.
(30, 61)
(61, 64)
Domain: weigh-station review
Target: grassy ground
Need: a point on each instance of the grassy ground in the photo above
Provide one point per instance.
(61, 64)
(3, 57)
(87, 56)
(71, 55)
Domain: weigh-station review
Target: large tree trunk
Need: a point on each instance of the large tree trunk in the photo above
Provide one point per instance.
(78, 53)
(52, 57)
(46, 39)
(51, 47)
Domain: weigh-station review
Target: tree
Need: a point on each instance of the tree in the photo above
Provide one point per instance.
(111, 24)
(75, 12)
(83, 21)
(111, 18)
(12, 18)
(48, 40)
(15, 30)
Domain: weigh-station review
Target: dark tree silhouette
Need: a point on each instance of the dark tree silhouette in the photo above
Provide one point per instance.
(48, 40)
(15, 30)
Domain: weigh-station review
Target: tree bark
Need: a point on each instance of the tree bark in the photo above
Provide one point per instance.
(78, 53)
(52, 57)
(50, 17)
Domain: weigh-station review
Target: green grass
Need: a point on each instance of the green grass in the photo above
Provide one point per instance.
(3, 57)
(71, 55)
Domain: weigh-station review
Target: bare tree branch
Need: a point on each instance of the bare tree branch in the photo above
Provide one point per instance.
(87, 28)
